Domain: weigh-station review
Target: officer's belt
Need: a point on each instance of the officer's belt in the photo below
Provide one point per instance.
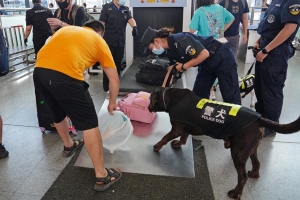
(213, 46)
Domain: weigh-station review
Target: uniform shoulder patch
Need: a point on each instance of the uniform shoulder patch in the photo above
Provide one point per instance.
(294, 9)
(190, 50)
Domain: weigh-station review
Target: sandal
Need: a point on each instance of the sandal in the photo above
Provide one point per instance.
(107, 182)
(69, 151)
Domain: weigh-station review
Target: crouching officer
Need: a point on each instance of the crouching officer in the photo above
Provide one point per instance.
(213, 59)
(115, 16)
(277, 29)
(37, 18)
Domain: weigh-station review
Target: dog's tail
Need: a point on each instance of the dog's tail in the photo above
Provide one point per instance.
(281, 128)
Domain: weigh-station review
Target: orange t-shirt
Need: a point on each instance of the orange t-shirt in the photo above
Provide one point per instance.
(72, 50)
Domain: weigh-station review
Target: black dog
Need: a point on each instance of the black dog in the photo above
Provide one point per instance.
(189, 114)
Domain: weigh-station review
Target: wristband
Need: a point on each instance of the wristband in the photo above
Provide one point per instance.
(182, 67)
(264, 51)
(61, 24)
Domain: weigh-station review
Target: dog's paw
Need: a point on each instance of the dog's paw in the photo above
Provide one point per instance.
(234, 194)
(175, 144)
(156, 147)
(252, 174)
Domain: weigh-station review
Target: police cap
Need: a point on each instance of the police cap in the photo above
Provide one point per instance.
(148, 36)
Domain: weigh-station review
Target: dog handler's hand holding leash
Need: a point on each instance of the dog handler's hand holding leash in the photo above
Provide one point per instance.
(172, 76)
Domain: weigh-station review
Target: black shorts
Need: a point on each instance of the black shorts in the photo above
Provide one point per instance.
(64, 96)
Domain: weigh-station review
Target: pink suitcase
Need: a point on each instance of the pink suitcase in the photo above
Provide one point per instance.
(135, 106)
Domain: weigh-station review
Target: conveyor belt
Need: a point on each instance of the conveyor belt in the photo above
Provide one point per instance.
(129, 84)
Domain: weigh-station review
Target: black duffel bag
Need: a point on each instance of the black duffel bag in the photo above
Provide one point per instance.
(152, 71)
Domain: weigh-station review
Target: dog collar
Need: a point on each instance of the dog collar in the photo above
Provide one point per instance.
(164, 98)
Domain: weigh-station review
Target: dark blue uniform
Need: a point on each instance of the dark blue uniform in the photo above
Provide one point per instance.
(115, 25)
(37, 18)
(270, 74)
(220, 64)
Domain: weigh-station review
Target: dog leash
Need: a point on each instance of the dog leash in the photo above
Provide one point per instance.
(249, 71)
(255, 51)
(172, 76)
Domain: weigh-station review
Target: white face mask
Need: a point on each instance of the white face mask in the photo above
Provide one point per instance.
(122, 2)
(158, 51)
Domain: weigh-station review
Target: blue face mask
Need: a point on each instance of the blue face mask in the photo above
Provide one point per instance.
(122, 2)
(158, 51)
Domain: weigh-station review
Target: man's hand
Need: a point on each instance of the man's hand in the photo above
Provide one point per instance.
(260, 56)
(25, 41)
(111, 107)
(255, 49)
(54, 22)
(135, 31)
(244, 39)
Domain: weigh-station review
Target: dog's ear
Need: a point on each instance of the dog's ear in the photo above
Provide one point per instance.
(153, 100)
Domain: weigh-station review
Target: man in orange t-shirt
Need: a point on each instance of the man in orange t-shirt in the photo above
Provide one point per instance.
(58, 76)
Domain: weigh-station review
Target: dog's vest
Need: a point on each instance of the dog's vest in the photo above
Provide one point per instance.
(215, 119)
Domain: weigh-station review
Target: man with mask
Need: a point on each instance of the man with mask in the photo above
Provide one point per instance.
(67, 14)
(37, 18)
(115, 16)
(213, 59)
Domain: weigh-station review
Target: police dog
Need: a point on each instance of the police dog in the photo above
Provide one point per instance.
(243, 143)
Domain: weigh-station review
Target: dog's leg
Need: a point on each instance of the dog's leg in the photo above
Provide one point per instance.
(176, 144)
(254, 173)
(239, 157)
(252, 93)
(176, 131)
(226, 143)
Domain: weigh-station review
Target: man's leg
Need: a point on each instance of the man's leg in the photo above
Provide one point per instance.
(234, 43)
(93, 143)
(1, 129)
(273, 71)
(259, 105)
(94, 147)
(63, 131)
(3, 152)
(203, 83)
(117, 53)
(38, 43)
(229, 86)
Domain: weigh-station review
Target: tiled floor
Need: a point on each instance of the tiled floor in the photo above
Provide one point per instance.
(35, 159)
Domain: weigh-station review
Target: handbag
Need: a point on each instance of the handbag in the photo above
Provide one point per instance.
(135, 106)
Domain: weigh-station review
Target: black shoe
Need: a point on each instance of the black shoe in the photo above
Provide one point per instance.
(3, 152)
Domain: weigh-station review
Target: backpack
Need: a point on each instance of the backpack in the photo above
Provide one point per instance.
(227, 3)
(74, 12)
(135, 106)
(152, 71)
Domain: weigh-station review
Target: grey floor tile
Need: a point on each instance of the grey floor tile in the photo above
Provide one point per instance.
(18, 196)
(38, 182)
(5, 195)
(53, 160)
(27, 116)
(12, 103)
(27, 147)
